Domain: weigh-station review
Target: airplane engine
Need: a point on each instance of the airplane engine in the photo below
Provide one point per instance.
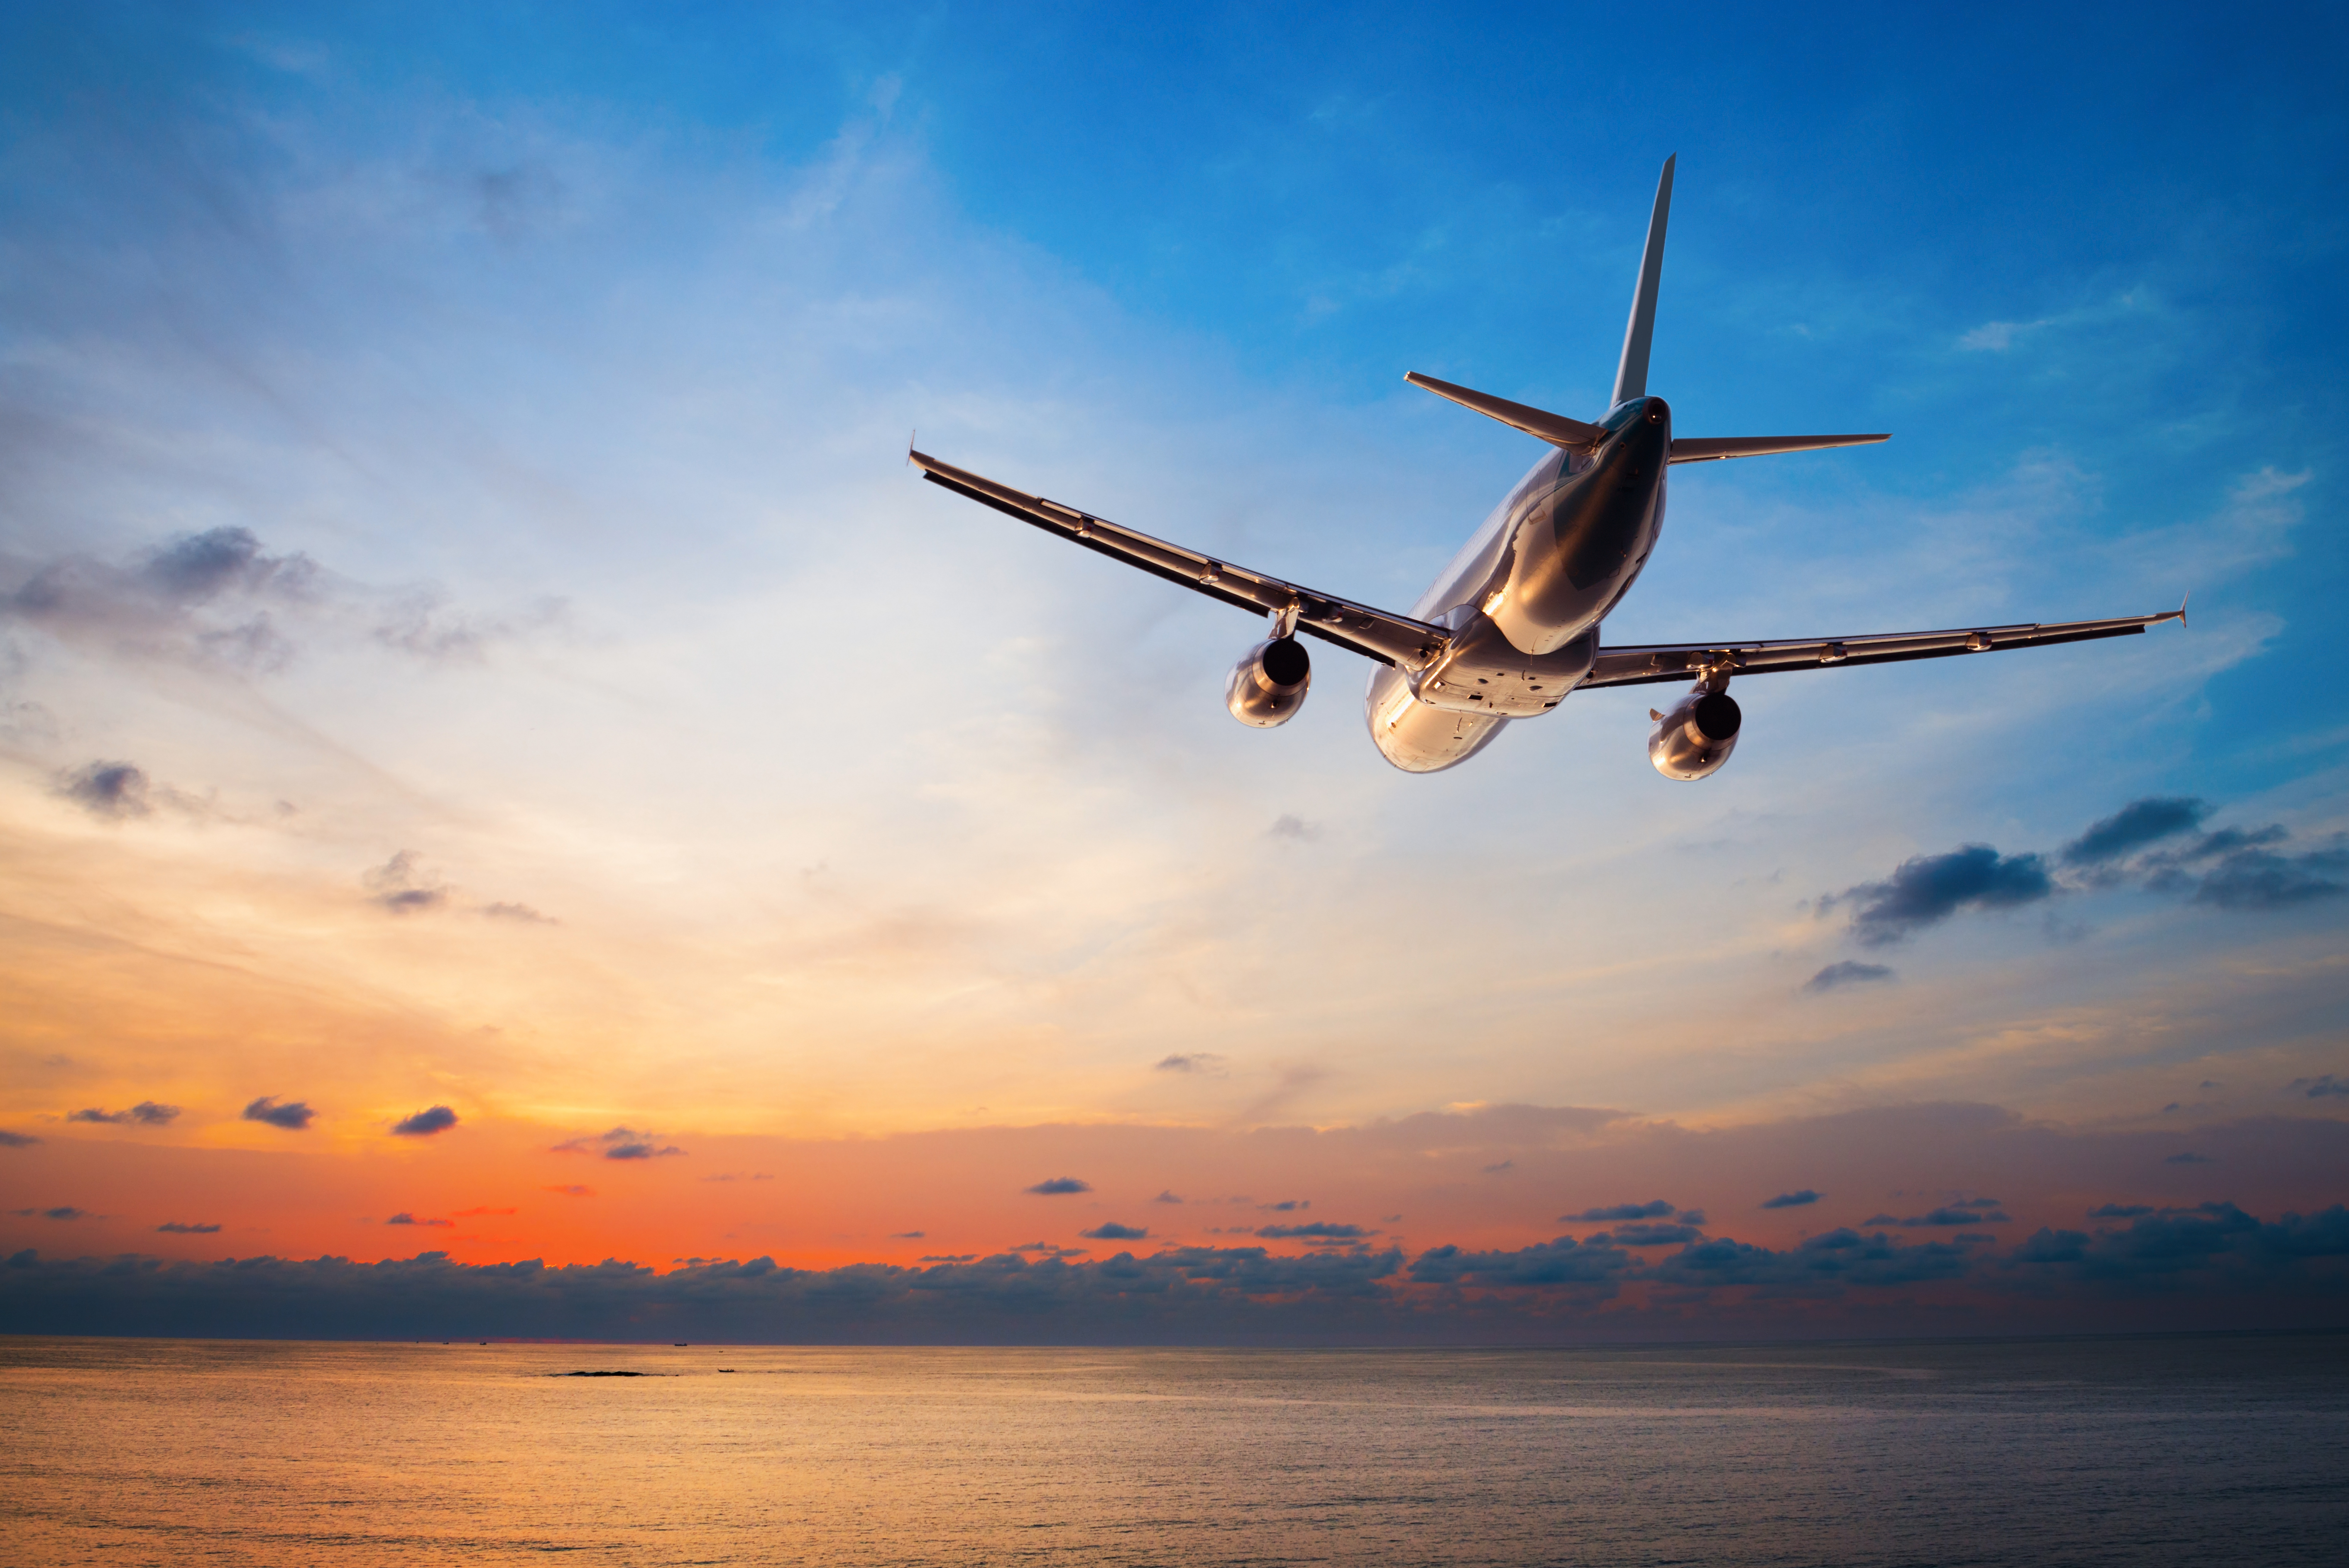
(1267, 686)
(1695, 737)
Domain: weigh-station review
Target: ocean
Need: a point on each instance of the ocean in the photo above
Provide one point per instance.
(2121, 1450)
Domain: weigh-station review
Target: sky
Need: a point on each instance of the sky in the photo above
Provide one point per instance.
(519, 813)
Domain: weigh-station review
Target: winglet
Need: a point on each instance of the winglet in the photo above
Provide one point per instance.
(1631, 372)
(2181, 605)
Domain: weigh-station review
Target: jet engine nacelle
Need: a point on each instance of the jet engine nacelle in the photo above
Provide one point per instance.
(1696, 736)
(1267, 686)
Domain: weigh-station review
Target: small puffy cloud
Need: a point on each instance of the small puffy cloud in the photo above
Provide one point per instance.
(949, 1258)
(1167, 1196)
(115, 791)
(1502, 1169)
(2189, 1159)
(175, 1228)
(425, 1122)
(1313, 1231)
(619, 1143)
(1792, 1200)
(1060, 1186)
(1851, 972)
(1049, 1250)
(1190, 1062)
(16, 1139)
(1285, 826)
(2133, 827)
(1656, 1210)
(146, 1113)
(2121, 1210)
(1998, 337)
(909, 1235)
(1930, 889)
(572, 1191)
(405, 1218)
(2319, 1087)
(1110, 1231)
(401, 885)
(293, 1115)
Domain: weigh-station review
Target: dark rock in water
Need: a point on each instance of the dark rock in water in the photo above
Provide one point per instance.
(599, 1374)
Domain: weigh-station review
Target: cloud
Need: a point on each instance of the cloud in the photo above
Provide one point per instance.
(909, 1235)
(1059, 1186)
(168, 601)
(1998, 337)
(1657, 1210)
(2318, 1088)
(483, 1209)
(1110, 1231)
(1851, 972)
(146, 1113)
(1930, 889)
(1166, 1196)
(1190, 1062)
(1314, 1230)
(1648, 1236)
(1285, 1206)
(1505, 1167)
(2121, 1210)
(401, 886)
(115, 791)
(293, 1115)
(2189, 1159)
(619, 1143)
(1792, 1200)
(405, 1218)
(16, 1139)
(175, 1228)
(2133, 827)
(949, 1258)
(1982, 1212)
(2210, 1266)
(62, 1211)
(1592, 1266)
(519, 912)
(425, 1123)
(1291, 826)
(2256, 879)
(572, 1191)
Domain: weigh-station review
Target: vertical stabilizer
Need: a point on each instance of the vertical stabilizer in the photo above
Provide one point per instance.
(1631, 373)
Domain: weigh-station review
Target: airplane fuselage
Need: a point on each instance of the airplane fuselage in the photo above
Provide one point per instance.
(1524, 597)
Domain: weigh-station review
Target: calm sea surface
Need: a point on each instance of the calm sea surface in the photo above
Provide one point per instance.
(2120, 1451)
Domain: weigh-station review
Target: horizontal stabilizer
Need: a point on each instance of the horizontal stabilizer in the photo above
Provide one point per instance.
(1556, 428)
(1706, 449)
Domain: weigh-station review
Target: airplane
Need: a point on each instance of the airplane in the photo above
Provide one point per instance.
(1511, 627)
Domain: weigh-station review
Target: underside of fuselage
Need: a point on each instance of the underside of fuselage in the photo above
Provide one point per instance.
(1524, 598)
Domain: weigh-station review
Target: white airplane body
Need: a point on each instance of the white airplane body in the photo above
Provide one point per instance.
(1512, 626)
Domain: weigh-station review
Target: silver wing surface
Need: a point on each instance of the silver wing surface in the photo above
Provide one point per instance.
(1682, 661)
(1379, 634)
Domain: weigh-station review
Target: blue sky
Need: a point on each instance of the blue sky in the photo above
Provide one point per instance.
(594, 724)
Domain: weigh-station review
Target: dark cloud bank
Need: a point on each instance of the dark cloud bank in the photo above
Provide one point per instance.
(2212, 1265)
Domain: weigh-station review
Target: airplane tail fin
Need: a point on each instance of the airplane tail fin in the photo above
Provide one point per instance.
(1632, 372)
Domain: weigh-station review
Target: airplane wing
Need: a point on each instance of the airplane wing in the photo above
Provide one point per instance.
(1375, 634)
(1682, 661)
